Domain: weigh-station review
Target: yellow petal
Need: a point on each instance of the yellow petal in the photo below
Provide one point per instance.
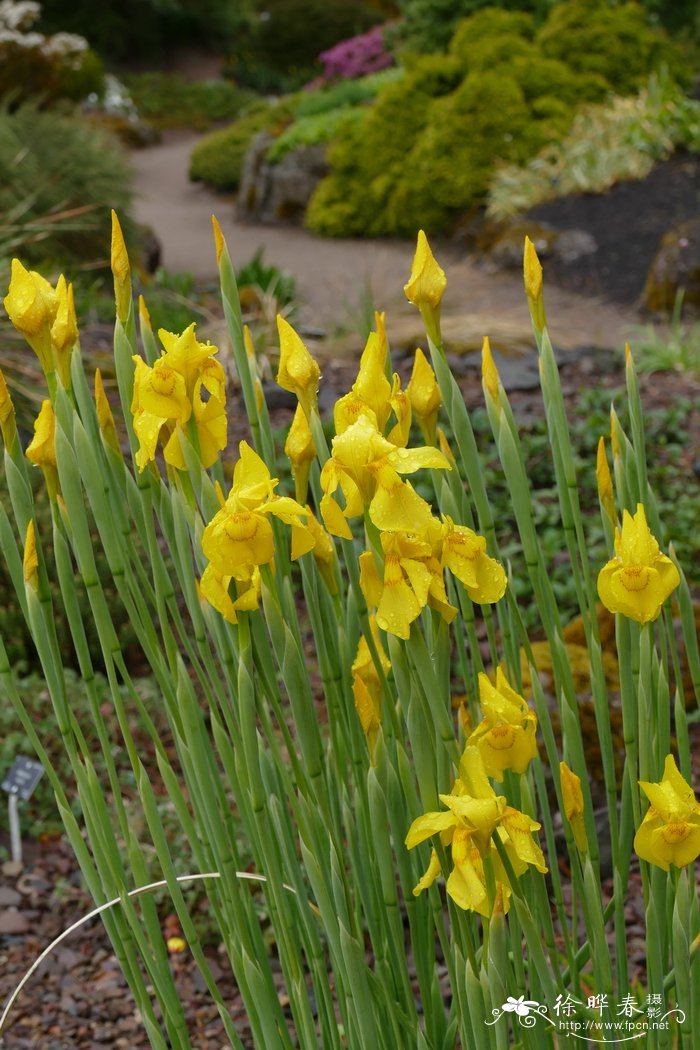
(233, 540)
(251, 478)
(466, 888)
(162, 392)
(399, 606)
(396, 505)
(427, 825)
(431, 873)
(520, 827)
(371, 583)
(333, 518)
(302, 541)
(147, 429)
(215, 588)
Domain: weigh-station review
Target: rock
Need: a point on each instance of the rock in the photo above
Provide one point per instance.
(505, 249)
(676, 267)
(572, 245)
(278, 193)
(503, 245)
(12, 921)
(9, 898)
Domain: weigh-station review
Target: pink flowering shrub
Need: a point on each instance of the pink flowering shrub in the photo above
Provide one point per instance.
(355, 57)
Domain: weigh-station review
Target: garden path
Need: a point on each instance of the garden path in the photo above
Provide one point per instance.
(335, 277)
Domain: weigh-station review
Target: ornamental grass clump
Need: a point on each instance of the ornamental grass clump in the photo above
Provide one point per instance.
(352, 698)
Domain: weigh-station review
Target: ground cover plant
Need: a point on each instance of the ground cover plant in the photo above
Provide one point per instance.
(351, 690)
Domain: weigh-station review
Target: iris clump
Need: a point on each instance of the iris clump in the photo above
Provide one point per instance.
(343, 672)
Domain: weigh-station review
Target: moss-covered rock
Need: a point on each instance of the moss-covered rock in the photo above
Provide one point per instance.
(676, 268)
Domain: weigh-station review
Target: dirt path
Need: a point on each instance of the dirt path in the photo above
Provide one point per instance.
(336, 278)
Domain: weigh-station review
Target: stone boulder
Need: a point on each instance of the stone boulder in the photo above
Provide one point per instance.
(279, 192)
(503, 243)
(676, 268)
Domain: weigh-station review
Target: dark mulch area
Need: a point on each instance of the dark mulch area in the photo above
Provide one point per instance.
(627, 224)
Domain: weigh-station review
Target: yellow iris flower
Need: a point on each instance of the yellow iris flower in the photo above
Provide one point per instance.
(424, 396)
(31, 305)
(45, 316)
(426, 286)
(412, 579)
(42, 449)
(639, 579)
(105, 418)
(573, 805)
(301, 452)
(670, 831)
(215, 587)
(169, 393)
(240, 534)
(506, 735)
(30, 560)
(366, 467)
(367, 686)
(7, 413)
(464, 554)
(298, 371)
(474, 814)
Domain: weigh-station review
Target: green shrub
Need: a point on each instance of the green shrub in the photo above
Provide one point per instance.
(372, 155)
(217, 159)
(347, 93)
(315, 131)
(428, 25)
(488, 27)
(448, 173)
(166, 100)
(616, 43)
(59, 177)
